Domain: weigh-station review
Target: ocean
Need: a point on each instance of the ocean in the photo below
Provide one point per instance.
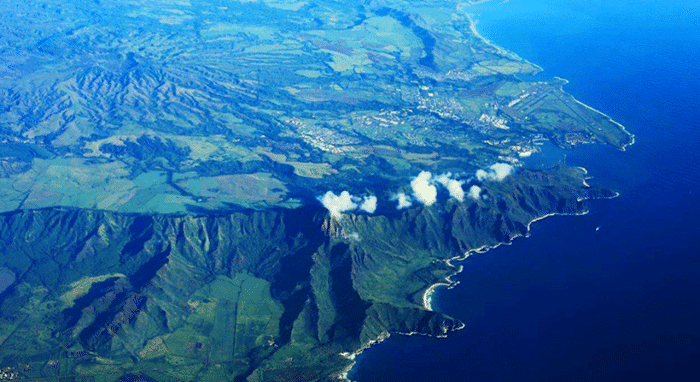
(613, 295)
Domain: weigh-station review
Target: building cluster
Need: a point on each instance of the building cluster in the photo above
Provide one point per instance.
(383, 120)
(493, 121)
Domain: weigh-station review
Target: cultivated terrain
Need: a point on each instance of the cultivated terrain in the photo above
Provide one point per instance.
(255, 190)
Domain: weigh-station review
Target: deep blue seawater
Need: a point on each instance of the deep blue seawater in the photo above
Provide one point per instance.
(571, 303)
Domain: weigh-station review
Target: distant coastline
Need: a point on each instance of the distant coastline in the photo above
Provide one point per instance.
(473, 28)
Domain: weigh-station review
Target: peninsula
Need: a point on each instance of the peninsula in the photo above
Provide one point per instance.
(257, 190)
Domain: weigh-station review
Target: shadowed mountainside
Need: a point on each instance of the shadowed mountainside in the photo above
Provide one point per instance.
(262, 295)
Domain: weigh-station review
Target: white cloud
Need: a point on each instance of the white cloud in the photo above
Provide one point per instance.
(444, 179)
(475, 192)
(369, 204)
(502, 170)
(425, 192)
(454, 187)
(404, 201)
(337, 204)
(497, 172)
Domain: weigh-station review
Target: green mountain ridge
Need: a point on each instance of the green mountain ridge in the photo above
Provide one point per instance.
(161, 164)
(252, 295)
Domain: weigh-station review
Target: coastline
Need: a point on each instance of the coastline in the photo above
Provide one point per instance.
(343, 374)
(502, 342)
(622, 127)
(472, 27)
(449, 283)
(427, 294)
(618, 124)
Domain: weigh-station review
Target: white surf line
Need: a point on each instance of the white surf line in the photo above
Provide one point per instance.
(500, 50)
(343, 375)
(473, 29)
(449, 283)
(583, 169)
(618, 124)
(585, 183)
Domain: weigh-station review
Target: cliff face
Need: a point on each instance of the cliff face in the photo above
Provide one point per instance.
(262, 295)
